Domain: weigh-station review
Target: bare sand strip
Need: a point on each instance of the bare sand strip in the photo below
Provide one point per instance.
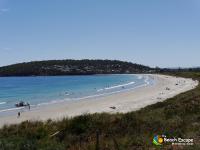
(164, 88)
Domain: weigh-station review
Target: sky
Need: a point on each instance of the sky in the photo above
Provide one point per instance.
(164, 33)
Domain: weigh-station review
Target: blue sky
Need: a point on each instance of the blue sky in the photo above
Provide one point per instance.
(163, 33)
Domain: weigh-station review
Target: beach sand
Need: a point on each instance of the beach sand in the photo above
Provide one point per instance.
(165, 87)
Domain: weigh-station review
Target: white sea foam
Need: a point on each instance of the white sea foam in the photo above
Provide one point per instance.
(139, 76)
(1, 103)
(114, 92)
(53, 102)
(11, 109)
(117, 86)
(147, 80)
(97, 95)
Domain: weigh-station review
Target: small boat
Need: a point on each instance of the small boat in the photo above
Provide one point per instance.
(21, 104)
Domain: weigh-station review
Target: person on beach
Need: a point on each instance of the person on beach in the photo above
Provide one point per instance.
(18, 115)
(29, 107)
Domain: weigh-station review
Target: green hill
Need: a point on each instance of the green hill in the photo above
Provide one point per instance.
(72, 67)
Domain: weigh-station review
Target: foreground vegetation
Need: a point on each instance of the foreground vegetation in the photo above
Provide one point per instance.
(175, 117)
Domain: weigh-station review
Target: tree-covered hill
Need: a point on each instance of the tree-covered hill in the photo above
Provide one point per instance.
(72, 67)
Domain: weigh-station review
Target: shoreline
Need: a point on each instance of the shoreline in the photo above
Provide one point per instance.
(14, 110)
(165, 87)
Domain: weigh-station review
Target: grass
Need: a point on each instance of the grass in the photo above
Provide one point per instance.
(175, 117)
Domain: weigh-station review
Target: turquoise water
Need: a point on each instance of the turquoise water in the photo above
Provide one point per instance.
(44, 90)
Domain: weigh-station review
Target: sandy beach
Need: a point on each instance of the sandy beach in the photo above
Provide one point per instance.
(165, 87)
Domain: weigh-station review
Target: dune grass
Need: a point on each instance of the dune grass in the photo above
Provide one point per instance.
(175, 117)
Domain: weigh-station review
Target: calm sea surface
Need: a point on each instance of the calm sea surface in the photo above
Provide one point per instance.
(45, 90)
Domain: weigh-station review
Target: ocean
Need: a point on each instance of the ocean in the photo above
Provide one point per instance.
(44, 90)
